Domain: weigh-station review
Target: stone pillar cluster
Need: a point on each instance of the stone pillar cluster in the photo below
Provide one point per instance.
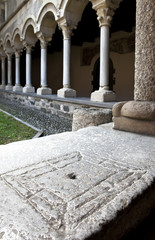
(139, 115)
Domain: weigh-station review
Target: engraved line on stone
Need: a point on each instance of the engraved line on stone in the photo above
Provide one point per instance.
(33, 192)
(100, 201)
(124, 165)
(67, 160)
(23, 169)
(12, 187)
(96, 184)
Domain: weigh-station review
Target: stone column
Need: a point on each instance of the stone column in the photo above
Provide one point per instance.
(139, 115)
(66, 91)
(17, 87)
(28, 87)
(2, 86)
(145, 51)
(105, 11)
(44, 90)
(9, 84)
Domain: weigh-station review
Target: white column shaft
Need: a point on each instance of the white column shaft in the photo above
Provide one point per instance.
(28, 69)
(18, 71)
(44, 67)
(66, 62)
(9, 71)
(3, 71)
(104, 57)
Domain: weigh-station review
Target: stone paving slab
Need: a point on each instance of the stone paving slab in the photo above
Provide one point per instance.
(70, 185)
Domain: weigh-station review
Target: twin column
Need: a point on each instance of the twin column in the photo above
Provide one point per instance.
(2, 86)
(44, 90)
(66, 91)
(9, 85)
(17, 87)
(105, 14)
(28, 87)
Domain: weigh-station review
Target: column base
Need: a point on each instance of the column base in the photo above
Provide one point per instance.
(103, 96)
(66, 92)
(17, 89)
(44, 91)
(28, 89)
(135, 116)
(2, 87)
(9, 88)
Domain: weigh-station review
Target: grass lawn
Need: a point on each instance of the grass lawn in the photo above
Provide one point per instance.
(12, 130)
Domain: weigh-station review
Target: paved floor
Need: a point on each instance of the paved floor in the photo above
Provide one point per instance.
(48, 123)
(71, 185)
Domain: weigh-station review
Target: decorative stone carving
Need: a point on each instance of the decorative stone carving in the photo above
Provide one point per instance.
(67, 27)
(44, 40)
(105, 10)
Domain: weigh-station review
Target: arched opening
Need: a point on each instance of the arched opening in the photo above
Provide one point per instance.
(86, 45)
(122, 49)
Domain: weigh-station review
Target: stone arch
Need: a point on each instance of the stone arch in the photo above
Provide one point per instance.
(8, 44)
(73, 10)
(29, 22)
(46, 20)
(7, 38)
(29, 30)
(2, 53)
(16, 39)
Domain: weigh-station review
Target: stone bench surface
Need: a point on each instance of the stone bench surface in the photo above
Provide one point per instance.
(71, 185)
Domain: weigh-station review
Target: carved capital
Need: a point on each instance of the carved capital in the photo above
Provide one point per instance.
(2, 58)
(17, 54)
(105, 10)
(27, 47)
(67, 28)
(44, 40)
(104, 16)
(9, 56)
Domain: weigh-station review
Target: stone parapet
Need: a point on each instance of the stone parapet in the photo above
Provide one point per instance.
(94, 184)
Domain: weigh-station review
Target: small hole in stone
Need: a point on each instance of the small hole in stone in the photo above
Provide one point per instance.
(71, 176)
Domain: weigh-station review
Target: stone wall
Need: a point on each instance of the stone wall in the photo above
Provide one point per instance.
(45, 103)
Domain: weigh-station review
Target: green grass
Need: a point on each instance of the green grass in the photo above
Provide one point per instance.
(12, 130)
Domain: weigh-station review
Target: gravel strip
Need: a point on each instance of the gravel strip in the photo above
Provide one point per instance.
(48, 123)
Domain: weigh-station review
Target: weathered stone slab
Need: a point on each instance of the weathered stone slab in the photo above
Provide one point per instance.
(90, 117)
(65, 197)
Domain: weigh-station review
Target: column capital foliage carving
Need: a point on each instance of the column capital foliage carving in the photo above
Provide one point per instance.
(105, 10)
(17, 53)
(9, 55)
(27, 47)
(67, 27)
(2, 58)
(44, 40)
